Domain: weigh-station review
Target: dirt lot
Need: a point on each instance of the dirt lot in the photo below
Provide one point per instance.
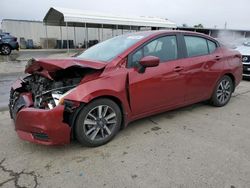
(197, 146)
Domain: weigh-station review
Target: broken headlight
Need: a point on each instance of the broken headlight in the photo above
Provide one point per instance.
(51, 99)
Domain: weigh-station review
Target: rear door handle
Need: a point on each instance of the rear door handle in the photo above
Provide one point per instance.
(178, 69)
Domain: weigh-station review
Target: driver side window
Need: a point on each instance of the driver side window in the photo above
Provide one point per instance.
(165, 48)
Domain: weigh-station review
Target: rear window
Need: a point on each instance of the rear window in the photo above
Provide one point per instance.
(196, 46)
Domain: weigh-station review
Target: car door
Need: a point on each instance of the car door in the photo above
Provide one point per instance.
(198, 73)
(158, 87)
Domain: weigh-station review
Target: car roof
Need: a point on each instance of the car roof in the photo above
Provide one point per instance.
(159, 32)
(4, 34)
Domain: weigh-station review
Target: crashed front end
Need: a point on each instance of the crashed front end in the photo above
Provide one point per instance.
(37, 103)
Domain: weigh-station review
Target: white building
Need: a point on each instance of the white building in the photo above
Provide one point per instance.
(81, 26)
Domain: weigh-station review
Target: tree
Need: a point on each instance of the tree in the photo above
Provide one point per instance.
(198, 26)
(184, 25)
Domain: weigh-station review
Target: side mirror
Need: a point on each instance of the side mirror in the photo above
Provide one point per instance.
(148, 61)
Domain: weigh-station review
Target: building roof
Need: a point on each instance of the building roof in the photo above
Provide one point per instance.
(59, 16)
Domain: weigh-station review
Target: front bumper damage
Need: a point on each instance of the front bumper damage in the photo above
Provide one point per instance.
(41, 126)
(37, 104)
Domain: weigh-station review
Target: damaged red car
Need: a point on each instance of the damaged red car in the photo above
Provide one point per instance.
(93, 96)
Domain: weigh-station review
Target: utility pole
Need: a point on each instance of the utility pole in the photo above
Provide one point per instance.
(225, 27)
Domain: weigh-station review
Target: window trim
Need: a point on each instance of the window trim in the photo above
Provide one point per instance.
(178, 42)
(216, 46)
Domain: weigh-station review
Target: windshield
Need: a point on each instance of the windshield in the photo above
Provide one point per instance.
(109, 49)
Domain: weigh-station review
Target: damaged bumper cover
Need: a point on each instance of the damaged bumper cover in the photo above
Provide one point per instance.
(43, 126)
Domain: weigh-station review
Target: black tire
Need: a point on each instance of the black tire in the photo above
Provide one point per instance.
(5, 49)
(223, 92)
(106, 128)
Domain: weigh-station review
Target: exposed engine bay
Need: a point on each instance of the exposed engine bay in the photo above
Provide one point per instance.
(48, 93)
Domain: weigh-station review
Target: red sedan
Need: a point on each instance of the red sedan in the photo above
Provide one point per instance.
(92, 96)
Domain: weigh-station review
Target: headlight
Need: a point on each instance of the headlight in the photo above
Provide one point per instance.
(58, 98)
(61, 99)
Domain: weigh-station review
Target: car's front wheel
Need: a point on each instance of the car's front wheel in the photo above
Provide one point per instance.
(223, 92)
(5, 49)
(98, 122)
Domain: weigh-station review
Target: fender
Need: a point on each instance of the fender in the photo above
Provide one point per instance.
(104, 86)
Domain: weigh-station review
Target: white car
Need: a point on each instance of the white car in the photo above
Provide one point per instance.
(244, 49)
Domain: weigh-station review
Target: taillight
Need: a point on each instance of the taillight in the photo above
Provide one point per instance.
(15, 39)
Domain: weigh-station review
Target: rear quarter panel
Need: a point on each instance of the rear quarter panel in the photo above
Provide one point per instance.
(233, 64)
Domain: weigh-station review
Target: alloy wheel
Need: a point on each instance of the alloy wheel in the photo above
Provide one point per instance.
(99, 122)
(5, 50)
(224, 91)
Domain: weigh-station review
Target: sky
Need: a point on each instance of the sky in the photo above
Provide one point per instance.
(210, 13)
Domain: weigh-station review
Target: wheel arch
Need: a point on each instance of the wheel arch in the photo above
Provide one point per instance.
(75, 114)
(232, 78)
(118, 102)
(6, 44)
(219, 78)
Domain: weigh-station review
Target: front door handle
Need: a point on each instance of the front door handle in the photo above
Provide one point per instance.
(178, 69)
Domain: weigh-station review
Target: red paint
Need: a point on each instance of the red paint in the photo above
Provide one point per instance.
(46, 66)
(27, 98)
(160, 88)
(150, 61)
(50, 122)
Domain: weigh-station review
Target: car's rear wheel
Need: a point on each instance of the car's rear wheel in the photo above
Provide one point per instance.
(98, 122)
(223, 92)
(5, 49)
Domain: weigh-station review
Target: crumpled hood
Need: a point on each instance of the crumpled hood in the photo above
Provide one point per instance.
(52, 65)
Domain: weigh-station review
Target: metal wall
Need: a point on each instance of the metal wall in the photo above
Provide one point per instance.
(36, 31)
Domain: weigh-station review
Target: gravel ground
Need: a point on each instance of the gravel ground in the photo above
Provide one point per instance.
(192, 147)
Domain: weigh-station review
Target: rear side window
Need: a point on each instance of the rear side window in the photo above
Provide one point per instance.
(165, 48)
(196, 46)
(211, 46)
